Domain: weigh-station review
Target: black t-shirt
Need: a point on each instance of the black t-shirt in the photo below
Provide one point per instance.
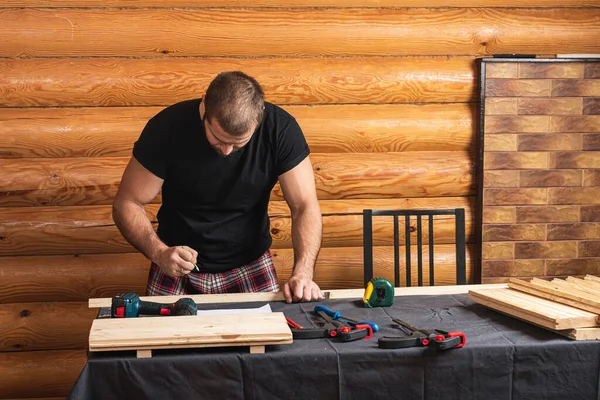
(217, 205)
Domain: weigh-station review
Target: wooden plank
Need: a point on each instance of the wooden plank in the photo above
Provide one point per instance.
(55, 372)
(293, 3)
(79, 277)
(322, 32)
(94, 181)
(592, 278)
(581, 333)
(97, 82)
(111, 132)
(573, 287)
(540, 311)
(357, 206)
(576, 334)
(180, 332)
(591, 286)
(278, 296)
(44, 326)
(554, 293)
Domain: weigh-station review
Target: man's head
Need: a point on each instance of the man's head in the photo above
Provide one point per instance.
(232, 109)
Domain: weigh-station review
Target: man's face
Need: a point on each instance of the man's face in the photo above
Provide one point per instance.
(222, 142)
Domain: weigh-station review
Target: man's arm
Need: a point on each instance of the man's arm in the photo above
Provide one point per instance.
(138, 187)
(299, 191)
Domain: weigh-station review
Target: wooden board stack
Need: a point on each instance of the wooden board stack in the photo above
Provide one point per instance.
(569, 307)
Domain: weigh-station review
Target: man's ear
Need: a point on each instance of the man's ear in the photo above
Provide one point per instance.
(202, 107)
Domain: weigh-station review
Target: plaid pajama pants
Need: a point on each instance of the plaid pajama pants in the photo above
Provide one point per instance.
(258, 276)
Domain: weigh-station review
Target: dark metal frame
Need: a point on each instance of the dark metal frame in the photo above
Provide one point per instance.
(459, 216)
(480, 143)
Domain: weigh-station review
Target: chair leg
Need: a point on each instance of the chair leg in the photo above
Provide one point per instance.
(367, 245)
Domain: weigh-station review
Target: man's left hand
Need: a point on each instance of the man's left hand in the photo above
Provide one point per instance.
(301, 288)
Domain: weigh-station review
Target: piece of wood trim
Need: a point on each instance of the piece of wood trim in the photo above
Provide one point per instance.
(143, 354)
(576, 334)
(545, 312)
(511, 311)
(581, 333)
(592, 278)
(588, 285)
(555, 294)
(331, 294)
(572, 287)
(257, 349)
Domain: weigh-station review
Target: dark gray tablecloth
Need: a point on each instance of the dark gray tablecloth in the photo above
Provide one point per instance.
(503, 359)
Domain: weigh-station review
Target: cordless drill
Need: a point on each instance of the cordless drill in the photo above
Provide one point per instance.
(129, 305)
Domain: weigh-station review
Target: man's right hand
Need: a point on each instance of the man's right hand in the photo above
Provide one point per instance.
(177, 260)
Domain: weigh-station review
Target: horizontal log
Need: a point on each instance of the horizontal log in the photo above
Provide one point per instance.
(40, 373)
(45, 326)
(97, 82)
(71, 277)
(356, 207)
(294, 3)
(214, 32)
(111, 132)
(94, 181)
(85, 230)
(78, 278)
(391, 175)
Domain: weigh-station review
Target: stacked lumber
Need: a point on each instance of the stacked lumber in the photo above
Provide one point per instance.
(569, 307)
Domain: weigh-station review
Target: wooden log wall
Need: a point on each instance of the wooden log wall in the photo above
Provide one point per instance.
(386, 92)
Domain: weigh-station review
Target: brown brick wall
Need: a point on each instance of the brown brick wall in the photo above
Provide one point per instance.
(541, 170)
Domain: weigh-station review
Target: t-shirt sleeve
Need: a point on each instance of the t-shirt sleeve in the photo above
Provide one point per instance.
(151, 148)
(292, 147)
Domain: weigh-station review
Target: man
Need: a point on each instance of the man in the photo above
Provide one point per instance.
(217, 159)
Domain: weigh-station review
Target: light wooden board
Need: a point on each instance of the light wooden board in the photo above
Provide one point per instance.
(575, 287)
(153, 333)
(549, 291)
(534, 309)
(576, 334)
(330, 294)
(592, 278)
(581, 333)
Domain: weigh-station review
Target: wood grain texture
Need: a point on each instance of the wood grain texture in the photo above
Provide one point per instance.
(94, 181)
(356, 207)
(111, 132)
(534, 309)
(390, 175)
(184, 331)
(77, 278)
(146, 82)
(71, 277)
(88, 230)
(475, 31)
(294, 3)
(55, 372)
(44, 326)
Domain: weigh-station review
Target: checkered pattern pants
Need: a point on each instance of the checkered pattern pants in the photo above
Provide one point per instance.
(258, 276)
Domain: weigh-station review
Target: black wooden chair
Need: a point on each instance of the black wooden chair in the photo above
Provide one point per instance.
(459, 217)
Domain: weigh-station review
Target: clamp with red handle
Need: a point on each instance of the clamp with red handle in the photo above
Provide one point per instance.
(440, 340)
